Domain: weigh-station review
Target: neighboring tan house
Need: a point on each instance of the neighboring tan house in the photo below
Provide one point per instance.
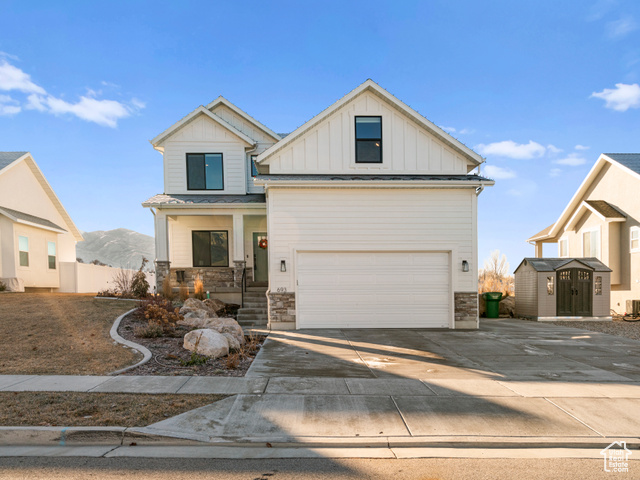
(370, 209)
(602, 220)
(36, 232)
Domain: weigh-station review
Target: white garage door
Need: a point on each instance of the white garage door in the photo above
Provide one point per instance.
(373, 290)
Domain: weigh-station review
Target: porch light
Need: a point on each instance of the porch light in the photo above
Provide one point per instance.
(283, 265)
(465, 266)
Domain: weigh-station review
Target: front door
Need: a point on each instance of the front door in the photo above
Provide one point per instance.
(574, 293)
(260, 257)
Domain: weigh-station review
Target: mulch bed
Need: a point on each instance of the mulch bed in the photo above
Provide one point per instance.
(168, 352)
(618, 327)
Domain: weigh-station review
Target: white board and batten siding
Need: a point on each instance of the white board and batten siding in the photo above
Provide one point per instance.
(396, 229)
(329, 147)
(203, 135)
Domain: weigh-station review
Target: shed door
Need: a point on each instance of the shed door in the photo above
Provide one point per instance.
(574, 297)
(373, 290)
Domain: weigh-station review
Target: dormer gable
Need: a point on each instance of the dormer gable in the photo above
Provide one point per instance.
(333, 141)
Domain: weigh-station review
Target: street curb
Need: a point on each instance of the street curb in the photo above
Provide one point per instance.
(123, 436)
(144, 351)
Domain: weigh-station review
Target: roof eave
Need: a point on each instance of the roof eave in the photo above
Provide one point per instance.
(245, 115)
(374, 183)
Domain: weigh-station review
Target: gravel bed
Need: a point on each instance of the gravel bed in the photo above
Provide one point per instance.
(616, 327)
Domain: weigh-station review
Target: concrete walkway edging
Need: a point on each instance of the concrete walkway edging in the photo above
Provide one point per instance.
(143, 350)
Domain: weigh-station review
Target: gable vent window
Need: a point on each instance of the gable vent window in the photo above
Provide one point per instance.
(204, 171)
(368, 139)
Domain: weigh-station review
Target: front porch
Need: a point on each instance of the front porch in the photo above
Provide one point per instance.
(216, 245)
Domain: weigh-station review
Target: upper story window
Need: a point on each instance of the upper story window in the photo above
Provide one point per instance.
(204, 171)
(563, 247)
(635, 239)
(368, 139)
(591, 243)
(254, 169)
(51, 254)
(23, 248)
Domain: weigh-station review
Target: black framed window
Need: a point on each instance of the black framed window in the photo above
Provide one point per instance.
(210, 248)
(254, 169)
(204, 171)
(368, 139)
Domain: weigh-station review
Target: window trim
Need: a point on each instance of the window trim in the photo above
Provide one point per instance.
(631, 232)
(599, 236)
(204, 173)
(355, 136)
(566, 242)
(21, 251)
(252, 164)
(193, 259)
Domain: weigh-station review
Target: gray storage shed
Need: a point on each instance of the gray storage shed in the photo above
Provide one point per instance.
(548, 289)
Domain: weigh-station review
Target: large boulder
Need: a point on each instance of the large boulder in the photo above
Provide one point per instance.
(197, 308)
(214, 304)
(227, 325)
(207, 342)
(234, 345)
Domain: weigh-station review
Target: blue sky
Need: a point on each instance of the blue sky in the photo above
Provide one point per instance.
(538, 88)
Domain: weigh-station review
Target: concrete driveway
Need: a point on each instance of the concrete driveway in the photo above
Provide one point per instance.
(502, 349)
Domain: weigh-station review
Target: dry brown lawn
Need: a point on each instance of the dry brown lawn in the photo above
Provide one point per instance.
(59, 333)
(94, 409)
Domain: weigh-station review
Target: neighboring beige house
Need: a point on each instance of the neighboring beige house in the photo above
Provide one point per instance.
(368, 217)
(602, 220)
(36, 232)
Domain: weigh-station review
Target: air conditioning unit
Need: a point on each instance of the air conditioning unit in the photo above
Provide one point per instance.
(633, 307)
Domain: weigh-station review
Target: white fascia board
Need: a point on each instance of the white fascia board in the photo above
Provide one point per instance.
(577, 197)
(367, 184)
(619, 165)
(171, 210)
(200, 206)
(223, 101)
(157, 141)
(14, 163)
(15, 219)
(398, 104)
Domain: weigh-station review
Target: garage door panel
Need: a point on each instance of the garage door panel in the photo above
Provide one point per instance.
(373, 289)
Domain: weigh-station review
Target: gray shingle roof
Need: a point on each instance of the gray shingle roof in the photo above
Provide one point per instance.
(629, 160)
(164, 199)
(364, 178)
(553, 264)
(7, 158)
(606, 209)
(30, 218)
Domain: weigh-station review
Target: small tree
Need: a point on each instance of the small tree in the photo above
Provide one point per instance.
(494, 277)
(139, 283)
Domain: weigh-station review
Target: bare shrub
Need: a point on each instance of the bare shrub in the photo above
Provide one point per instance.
(494, 277)
(148, 331)
(139, 283)
(122, 281)
(167, 288)
(232, 361)
(184, 292)
(198, 288)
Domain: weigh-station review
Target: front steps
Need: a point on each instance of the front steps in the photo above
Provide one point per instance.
(254, 312)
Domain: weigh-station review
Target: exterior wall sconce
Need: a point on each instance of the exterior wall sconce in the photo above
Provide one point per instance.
(465, 266)
(283, 265)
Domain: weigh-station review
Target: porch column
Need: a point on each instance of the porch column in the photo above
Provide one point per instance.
(238, 248)
(538, 247)
(162, 249)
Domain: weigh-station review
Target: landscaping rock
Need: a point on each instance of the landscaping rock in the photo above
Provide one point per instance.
(210, 343)
(199, 309)
(234, 345)
(195, 304)
(507, 306)
(214, 304)
(227, 325)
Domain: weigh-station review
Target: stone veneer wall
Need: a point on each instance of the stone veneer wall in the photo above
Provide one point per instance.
(282, 310)
(466, 309)
(212, 277)
(162, 270)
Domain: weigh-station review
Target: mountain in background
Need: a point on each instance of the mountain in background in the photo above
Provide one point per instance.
(118, 248)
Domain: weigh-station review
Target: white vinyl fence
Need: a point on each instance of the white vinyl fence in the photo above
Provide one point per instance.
(88, 278)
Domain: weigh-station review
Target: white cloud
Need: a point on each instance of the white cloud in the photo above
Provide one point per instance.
(621, 98)
(9, 106)
(553, 149)
(466, 131)
(499, 173)
(581, 147)
(555, 172)
(621, 27)
(9, 56)
(449, 129)
(12, 78)
(572, 160)
(511, 149)
(523, 189)
(89, 108)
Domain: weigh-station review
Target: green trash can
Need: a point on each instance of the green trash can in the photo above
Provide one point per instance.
(492, 299)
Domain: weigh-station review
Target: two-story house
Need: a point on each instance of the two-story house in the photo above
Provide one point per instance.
(363, 217)
(602, 220)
